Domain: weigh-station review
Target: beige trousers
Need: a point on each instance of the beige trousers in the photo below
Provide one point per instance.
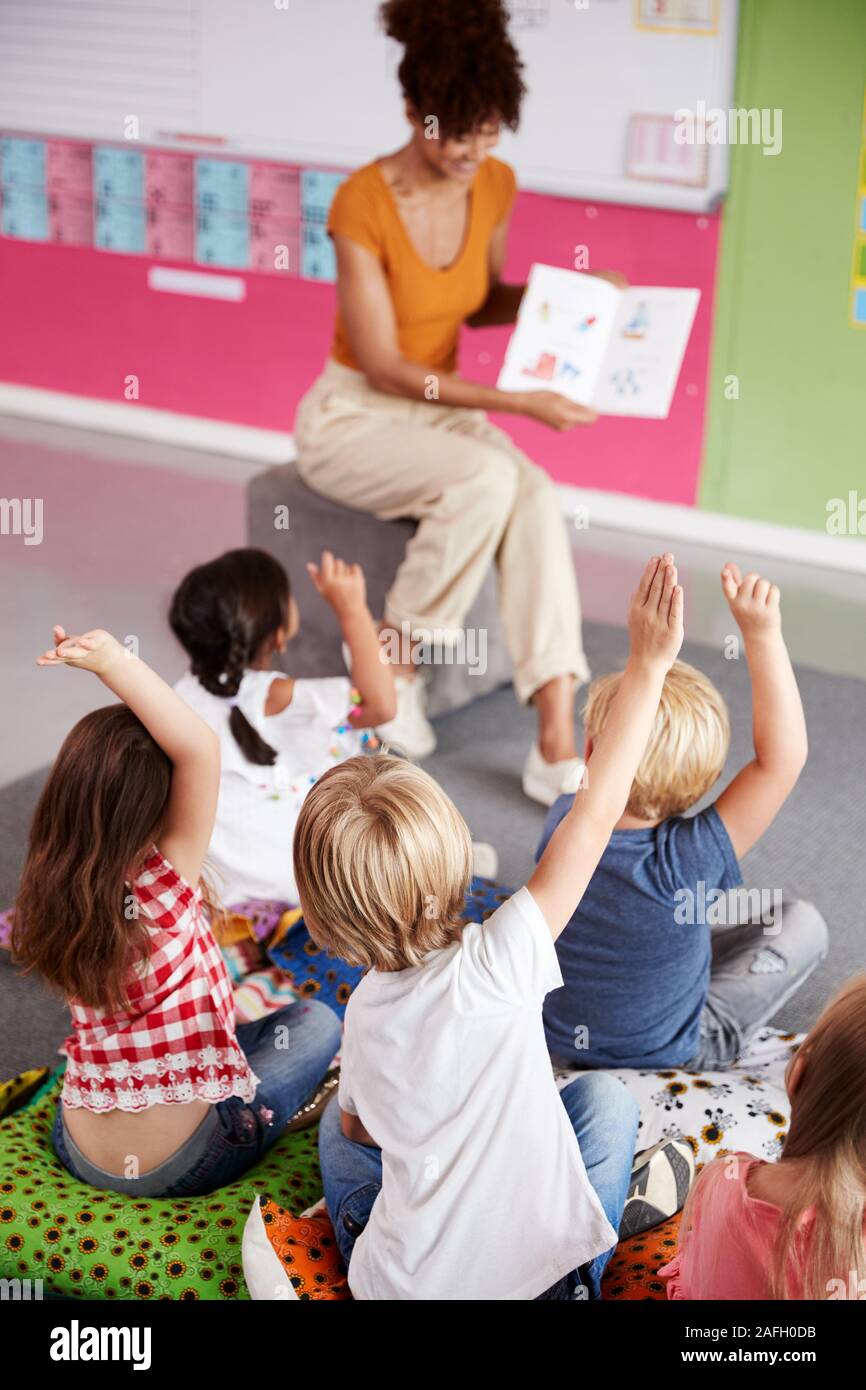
(477, 499)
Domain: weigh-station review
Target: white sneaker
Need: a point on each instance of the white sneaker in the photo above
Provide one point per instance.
(544, 782)
(485, 860)
(658, 1187)
(410, 731)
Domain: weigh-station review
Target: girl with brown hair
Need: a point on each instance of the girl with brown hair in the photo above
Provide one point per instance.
(162, 1095)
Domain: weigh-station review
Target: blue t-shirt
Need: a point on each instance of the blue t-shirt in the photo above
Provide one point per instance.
(635, 956)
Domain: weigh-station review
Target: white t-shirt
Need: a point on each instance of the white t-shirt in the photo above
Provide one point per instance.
(484, 1192)
(250, 853)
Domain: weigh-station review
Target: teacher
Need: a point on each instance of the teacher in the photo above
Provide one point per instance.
(391, 428)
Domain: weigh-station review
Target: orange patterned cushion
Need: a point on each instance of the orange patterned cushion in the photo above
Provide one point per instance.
(632, 1271)
(307, 1250)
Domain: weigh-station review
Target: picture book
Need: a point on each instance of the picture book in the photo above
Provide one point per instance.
(619, 351)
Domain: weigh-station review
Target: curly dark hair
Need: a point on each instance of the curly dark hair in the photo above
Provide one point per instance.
(460, 64)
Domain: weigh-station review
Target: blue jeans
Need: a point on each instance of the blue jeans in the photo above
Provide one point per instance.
(754, 972)
(604, 1117)
(234, 1135)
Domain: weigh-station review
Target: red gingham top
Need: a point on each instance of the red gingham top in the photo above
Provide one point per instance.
(175, 1041)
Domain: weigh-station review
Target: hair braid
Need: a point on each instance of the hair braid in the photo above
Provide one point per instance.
(222, 613)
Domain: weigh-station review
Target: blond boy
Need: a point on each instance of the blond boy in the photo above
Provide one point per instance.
(452, 1168)
(668, 961)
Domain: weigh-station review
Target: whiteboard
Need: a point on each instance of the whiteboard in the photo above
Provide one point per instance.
(314, 82)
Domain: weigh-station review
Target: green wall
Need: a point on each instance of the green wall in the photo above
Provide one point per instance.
(797, 434)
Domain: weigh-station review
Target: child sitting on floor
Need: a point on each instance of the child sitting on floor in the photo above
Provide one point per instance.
(647, 982)
(277, 734)
(163, 1096)
(452, 1167)
(793, 1229)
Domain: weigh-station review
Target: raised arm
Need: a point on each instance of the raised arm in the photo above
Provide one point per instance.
(571, 856)
(191, 746)
(368, 315)
(756, 795)
(344, 588)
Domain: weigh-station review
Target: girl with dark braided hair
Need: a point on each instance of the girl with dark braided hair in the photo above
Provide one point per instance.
(277, 734)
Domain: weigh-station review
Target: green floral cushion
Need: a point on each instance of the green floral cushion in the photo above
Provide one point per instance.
(83, 1243)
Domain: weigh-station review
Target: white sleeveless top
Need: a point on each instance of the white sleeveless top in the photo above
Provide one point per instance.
(250, 853)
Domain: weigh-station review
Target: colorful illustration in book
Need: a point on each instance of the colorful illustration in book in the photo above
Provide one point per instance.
(638, 323)
(625, 381)
(567, 372)
(544, 367)
(544, 311)
(586, 323)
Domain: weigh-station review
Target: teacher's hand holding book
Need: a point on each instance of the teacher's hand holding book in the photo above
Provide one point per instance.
(555, 410)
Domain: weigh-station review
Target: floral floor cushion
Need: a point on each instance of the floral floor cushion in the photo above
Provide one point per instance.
(632, 1271)
(84, 1243)
(745, 1108)
(292, 1257)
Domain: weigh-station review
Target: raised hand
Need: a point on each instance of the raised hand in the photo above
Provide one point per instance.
(92, 651)
(655, 616)
(342, 585)
(754, 602)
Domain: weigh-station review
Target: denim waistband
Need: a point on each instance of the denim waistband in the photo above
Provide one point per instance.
(150, 1184)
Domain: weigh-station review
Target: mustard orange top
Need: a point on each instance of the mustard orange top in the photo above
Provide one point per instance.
(429, 304)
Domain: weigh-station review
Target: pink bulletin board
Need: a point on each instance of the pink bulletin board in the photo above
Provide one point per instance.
(81, 321)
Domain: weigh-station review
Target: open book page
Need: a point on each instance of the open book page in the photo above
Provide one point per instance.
(645, 351)
(559, 341)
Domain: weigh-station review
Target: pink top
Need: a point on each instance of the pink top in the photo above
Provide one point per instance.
(175, 1041)
(727, 1253)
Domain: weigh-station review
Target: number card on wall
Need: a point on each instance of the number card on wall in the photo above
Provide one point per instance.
(222, 223)
(118, 187)
(318, 261)
(69, 184)
(275, 215)
(23, 190)
(168, 191)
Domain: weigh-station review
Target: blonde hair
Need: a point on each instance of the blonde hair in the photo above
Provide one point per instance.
(827, 1137)
(687, 747)
(382, 863)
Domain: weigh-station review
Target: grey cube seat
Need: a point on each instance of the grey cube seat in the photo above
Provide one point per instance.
(317, 523)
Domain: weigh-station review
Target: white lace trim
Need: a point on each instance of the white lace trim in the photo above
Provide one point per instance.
(213, 1074)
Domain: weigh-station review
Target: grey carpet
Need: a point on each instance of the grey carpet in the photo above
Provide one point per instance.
(814, 849)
